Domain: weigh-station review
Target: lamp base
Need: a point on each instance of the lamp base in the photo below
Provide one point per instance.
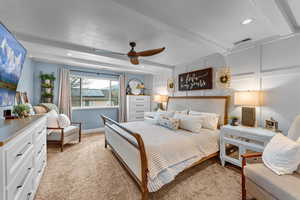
(159, 106)
(248, 116)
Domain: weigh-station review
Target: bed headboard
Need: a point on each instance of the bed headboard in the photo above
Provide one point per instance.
(211, 104)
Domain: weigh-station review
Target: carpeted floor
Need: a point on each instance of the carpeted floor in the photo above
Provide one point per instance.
(87, 171)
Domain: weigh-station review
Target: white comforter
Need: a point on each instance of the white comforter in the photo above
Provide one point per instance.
(170, 152)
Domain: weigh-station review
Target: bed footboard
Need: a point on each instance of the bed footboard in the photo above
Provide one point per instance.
(125, 143)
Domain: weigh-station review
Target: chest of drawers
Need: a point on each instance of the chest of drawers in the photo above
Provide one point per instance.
(23, 157)
(136, 107)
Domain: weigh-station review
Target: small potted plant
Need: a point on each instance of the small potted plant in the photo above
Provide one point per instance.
(47, 78)
(234, 121)
(47, 97)
(47, 87)
(21, 110)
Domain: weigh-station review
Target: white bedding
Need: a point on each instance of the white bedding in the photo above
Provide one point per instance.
(169, 152)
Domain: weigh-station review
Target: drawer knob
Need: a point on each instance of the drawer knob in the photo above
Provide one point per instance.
(19, 186)
(19, 154)
(28, 195)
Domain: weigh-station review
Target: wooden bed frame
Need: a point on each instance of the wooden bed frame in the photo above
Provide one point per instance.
(140, 147)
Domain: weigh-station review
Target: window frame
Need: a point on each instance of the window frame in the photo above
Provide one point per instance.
(81, 107)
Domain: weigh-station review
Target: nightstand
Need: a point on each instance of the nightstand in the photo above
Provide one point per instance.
(245, 138)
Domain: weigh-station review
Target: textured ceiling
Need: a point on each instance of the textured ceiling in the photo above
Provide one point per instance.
(188, 29)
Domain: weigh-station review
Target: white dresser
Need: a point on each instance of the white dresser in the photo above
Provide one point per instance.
(136, 107)
(23, 157)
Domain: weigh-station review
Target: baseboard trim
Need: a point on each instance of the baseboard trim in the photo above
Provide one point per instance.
(94, 130)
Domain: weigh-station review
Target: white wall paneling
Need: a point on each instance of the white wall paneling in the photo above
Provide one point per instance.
(273, 67)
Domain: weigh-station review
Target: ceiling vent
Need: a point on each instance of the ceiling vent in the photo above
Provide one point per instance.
(242, 41)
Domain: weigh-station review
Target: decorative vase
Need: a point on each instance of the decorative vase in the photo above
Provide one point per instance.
(234, 122)
(47, 100)
(48, 90)
(47, 81)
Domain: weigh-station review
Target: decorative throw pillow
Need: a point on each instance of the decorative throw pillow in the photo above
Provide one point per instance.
(210, 120)
(282, 155)
(52, 119)
(40, 109)
(169, 123)
(190, 123)
(63, 121)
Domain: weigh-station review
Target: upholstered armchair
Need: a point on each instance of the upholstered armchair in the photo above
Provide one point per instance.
(263, 184)
(65, 135)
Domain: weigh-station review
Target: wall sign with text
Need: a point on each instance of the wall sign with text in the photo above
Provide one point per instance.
(196, 80)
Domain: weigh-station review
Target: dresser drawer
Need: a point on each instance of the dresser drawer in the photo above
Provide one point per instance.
(27, 193)
(22, 180)
(40, 146)
(16, 153)
(139, 99)
(40, 133)
(41, 161)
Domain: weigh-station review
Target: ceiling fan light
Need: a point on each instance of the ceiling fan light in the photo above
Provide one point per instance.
(247, 21)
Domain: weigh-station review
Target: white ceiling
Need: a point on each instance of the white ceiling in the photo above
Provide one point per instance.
(188, 29)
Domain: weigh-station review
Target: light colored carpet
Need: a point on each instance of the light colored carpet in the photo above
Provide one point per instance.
(87, 171)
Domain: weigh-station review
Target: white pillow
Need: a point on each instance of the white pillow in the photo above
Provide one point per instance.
(150, 114)
(210, 120)
(164, 114)
(63, 121)
(52, 119)
(282, 155)
(184, 112)
(190, 123)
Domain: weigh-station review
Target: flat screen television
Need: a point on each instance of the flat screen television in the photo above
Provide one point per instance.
(12, 57)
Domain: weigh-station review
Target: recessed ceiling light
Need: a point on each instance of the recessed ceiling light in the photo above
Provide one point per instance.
(247, 21)
(69, 54)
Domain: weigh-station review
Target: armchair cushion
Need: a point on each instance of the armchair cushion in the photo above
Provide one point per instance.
(55, 135)
(52, 119)
(281, 187)
(63, 121)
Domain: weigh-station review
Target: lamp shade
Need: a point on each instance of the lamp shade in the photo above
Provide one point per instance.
(160, 98)
(248, 98)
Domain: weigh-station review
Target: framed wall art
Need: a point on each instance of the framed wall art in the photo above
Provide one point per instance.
(196, 80)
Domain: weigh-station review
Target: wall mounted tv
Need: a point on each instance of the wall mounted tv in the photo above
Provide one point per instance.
(12, 57)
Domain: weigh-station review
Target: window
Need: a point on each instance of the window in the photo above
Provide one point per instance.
(94, 92)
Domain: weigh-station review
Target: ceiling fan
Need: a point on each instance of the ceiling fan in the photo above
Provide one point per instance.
(133, 55)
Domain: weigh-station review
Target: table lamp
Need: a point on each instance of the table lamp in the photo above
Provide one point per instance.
(160, 99)
(248, 100)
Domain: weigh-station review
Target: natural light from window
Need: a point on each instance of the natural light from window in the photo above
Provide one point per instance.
(94, 92)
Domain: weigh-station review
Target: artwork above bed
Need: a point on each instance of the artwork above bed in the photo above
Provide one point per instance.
(196, 80)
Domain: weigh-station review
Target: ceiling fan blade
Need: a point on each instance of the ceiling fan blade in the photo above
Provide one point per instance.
(134, 60)
(102, 51)
(150, 52)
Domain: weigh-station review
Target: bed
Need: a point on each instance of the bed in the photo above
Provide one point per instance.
(154, 155)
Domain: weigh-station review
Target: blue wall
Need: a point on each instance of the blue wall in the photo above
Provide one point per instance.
(26, 80)
(89, 117)
(45, 68)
